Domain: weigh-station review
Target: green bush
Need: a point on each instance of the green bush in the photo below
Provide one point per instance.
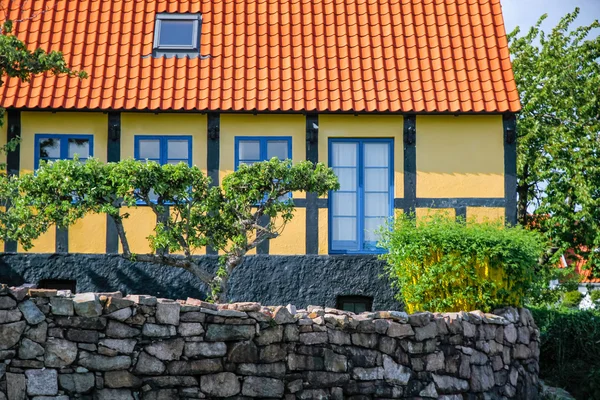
(595, 296)
(570, 350)
(572, 299)
(440, 264)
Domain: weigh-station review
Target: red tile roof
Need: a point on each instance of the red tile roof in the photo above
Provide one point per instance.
(267, 55)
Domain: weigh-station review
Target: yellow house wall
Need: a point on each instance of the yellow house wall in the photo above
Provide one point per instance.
(457, 157)
(460, 157)
(482, 214)
(142, 221)
(75, 123)
(89, 234)
(293, 238)
(365, 126)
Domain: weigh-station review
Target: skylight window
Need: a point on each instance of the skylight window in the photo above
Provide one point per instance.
(177, 33)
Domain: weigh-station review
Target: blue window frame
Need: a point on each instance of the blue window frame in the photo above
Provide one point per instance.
(163, 149)
(252, 149)
(365, 201)
(52, 147)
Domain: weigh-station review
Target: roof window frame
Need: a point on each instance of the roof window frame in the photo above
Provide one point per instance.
(194, 48)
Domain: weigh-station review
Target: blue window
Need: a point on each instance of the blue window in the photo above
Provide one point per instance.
(249, 150)
(164, 149)
(51, 147)
(365, 200)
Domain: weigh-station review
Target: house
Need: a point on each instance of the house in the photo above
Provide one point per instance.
(412, 102)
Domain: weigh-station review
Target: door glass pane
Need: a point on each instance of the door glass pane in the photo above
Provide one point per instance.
(176, 33)
(344, 154)
(149, 148)
(81, 147)
(377, 205)
(49, 148)
(344, 204)
(346, 177)
(277, 148)
(344, 228)
(177, 149)
(376, 180)
(376, 154)
(372, 226)
(249, 150)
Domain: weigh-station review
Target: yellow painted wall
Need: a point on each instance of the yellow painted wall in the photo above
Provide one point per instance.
(426, 212)
(82, 123)
(366, 126)
(46, 243)
(323, 231)
(482, 214)
(460, 156)
(88, 235)
(293, 239)
(138, 227)
(142, 221)
(133, 124)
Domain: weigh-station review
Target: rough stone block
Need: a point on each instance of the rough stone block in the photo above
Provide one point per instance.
(224, 384)
(60, 353)
(7, 302)
(42, 382)
(87, 305)
(167, 312)
(148, 365)
(255, 386)
(190, 329)
(30, 349)
(10, 334)
(224, 333)
(7, 316)
(62, 306)
(16, 386)
(166, 350)
(195, 367)
(76, 383)
(31, 312)
(206, 349)
(95, 362)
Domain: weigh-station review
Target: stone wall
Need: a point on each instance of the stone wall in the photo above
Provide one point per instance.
(269, 279)
(105, 346)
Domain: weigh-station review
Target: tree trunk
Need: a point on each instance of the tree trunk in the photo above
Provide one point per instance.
(522, 215)
(523, 197)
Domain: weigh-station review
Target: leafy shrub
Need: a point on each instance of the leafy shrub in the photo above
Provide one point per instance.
(439, 264)
(570, 350)
(595, 296)
(572, 299)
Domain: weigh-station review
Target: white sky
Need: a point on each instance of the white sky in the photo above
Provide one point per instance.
(525, 13)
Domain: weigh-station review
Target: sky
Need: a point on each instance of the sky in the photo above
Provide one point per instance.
(525, 13)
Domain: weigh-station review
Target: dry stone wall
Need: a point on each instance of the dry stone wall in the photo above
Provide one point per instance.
(105, 346)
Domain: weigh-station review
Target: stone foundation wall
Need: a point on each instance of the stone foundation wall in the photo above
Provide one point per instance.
(105, 346)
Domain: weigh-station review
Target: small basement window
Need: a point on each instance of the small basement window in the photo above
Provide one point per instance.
(177, 33)
(355, 304)
(58, 284)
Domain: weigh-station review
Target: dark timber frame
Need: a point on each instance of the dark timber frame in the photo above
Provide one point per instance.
(13, 159)
(312, 207)
(410, 164)
(213, 155)
(510, 168)
(113, 154)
